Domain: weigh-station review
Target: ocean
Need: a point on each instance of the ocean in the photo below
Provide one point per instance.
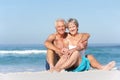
(32, 57)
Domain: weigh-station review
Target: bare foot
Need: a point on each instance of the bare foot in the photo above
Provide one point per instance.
(109, 66)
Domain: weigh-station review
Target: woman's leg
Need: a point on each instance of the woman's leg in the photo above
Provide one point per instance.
(61, 61)
(95, 64)
(73, 60)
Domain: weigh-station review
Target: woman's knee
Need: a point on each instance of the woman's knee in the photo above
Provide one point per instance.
(76, 52)
(64, 57)
(90, 57)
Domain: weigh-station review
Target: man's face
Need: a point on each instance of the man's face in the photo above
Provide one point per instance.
(60, 27)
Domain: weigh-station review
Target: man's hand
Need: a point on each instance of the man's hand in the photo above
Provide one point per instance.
(64, 51)
(58, 52)
(71, 51)
(80, 46)
(85, 44)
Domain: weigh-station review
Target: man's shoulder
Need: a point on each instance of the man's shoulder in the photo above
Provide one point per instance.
(84, 33)
(53, 34)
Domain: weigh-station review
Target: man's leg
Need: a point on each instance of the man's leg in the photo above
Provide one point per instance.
(95, 64)
(47, 65)
(50, 61)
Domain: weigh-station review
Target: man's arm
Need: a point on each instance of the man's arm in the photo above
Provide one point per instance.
(82, 44)
(49, 43)
(85, 37)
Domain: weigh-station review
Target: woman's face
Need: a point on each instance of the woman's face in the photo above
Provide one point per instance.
(73, 29)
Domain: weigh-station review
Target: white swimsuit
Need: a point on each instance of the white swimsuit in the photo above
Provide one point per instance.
(81, 52)
(71, 46)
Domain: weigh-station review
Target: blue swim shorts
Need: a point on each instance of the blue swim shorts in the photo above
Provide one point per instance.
(47, 66)
(84, 65)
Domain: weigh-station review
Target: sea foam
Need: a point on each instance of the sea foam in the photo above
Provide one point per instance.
(22, 51)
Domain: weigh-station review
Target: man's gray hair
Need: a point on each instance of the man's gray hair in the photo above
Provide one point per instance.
(60, 20)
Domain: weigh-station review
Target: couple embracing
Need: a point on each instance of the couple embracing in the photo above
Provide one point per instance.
(65, 50)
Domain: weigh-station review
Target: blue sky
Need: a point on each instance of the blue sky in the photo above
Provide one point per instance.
(31, 21)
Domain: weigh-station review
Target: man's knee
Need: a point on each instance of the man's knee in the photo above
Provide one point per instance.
(89, 55)
(49, 51)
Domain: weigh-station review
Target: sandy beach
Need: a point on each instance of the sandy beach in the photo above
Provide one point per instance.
(87, 75)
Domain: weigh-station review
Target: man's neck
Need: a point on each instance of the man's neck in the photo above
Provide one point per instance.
(62, 35)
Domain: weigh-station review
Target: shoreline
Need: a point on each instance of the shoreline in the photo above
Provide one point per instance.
(44, 75)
